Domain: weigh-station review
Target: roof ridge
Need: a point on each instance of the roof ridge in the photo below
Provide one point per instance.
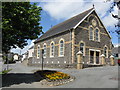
(65, 25)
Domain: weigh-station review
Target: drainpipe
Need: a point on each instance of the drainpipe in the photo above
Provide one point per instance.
(70, 52)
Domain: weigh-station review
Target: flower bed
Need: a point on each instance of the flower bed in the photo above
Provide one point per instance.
(54, 78)
(53, 75)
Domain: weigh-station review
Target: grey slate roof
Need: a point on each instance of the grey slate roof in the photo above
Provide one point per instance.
(64, 26)
(116, 50)
(31, 47)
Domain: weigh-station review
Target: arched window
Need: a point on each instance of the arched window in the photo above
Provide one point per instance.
(45, 50)
(106, 51)
(38, 51)
(61, 47)
(82, 47)
(91, 34)
(97, 38)
(52, 48)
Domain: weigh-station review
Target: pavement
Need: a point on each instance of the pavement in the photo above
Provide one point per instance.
(22, 76)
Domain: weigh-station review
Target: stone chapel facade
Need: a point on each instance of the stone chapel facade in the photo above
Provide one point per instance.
(84, 32)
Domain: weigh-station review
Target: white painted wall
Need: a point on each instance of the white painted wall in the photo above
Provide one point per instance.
(15, 57)
(30, 52)
(24, 56)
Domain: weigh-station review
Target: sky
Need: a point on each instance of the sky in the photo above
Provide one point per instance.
(57, 11)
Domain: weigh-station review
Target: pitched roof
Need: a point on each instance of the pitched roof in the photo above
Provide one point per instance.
(31, 47)
(64, 26)
(116, 50)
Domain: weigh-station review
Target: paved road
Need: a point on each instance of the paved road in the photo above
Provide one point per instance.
(99, 77)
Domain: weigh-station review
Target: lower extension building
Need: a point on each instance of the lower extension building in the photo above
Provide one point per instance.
(84, 32)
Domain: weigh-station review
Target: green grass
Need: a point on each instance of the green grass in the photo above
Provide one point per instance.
(5, 71)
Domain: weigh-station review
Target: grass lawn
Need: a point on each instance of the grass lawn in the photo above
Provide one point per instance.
(5, 71)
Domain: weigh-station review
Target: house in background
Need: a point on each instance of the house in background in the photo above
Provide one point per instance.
(15, 57)
(31, 52)
(24, 56)
(84, 32)
(116, 52)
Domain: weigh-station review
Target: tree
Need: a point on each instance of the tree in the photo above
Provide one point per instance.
(116, 2)
(20, 22)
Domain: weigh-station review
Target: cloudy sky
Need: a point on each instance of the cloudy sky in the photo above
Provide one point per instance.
(56, 11)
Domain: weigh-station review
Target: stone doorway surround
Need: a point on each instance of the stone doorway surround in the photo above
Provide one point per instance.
(95, 55)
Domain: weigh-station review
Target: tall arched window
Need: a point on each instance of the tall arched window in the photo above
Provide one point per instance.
(106, 51)
(97, 37)
(45, 50)
(82, 48)
(52, 48)
(61, 47)
(38, 51)
(91, 34)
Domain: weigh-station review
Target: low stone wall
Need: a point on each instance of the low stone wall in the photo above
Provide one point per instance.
(63, 66)
(57, 83)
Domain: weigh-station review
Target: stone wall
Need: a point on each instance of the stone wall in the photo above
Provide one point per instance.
(82, 34)
(56, 59)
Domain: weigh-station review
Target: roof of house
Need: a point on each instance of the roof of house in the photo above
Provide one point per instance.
(31, 47)
(116, 50)
(64, 26)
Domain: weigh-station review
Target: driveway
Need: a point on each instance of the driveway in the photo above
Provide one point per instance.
(98, 77)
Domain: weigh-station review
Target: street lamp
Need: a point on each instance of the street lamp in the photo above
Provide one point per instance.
(42, 58)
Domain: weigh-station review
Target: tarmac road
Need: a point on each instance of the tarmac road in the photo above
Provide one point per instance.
(96, 77)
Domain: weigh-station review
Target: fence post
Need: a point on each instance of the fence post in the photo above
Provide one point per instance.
(79, 60)
(112, 62)
(103, 59)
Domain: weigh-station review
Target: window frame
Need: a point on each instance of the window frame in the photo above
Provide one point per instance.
(53, 49)
(92, 33)
(83, 47)
(60, 47)
(45, 52)
(38, 50)
(98, 34)
(106, 56)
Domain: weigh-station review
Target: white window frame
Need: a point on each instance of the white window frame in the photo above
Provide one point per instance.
(98, 34)
(38, 50)
(60, 47)
(51, 49)
(83, 47)
(45, 52)
(106, 51)
(92, 33)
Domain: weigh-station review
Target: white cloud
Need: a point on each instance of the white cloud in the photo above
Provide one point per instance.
(116, 45)
(109, 20)
(65, 9)
(21, 51)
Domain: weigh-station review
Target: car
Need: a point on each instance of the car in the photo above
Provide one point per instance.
(119, 61)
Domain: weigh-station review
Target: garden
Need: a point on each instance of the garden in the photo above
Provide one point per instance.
(54, 77)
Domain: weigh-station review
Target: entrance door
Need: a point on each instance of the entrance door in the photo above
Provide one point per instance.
(91, 56)
(97, 57)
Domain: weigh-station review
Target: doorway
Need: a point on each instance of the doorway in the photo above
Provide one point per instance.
(91, 56)
(94, 57)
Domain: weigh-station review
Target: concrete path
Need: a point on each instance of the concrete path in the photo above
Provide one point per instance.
(98, 77)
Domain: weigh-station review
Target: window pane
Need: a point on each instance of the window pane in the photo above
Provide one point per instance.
(38, 51)
(82, 47)
(97, 34)
(44, 47)
(52, 49)
(91, 33)
(61, 47)
(105, 51)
